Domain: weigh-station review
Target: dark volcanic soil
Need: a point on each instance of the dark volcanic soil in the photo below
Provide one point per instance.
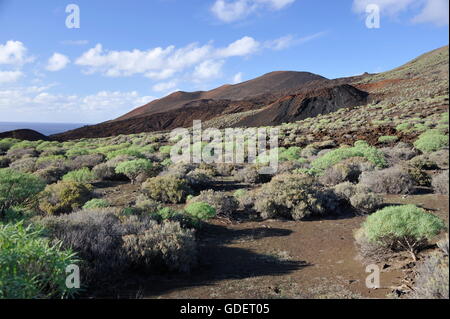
(274, 259)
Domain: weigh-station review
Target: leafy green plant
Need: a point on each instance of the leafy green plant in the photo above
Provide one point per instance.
(431, 140)
(405, 227)
(166, 189)
(387, 139)
(31, 267)
(132, 169)
(63, 197)
(96, 203)
(131, 151)
(83, 175)
(200, 210)
(17, 188)
(360, 149)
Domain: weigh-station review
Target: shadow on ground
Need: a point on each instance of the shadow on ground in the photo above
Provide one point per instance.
(217, 262)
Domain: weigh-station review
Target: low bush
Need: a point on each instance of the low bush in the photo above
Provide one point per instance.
(398, 153)
(165, 246)
(431, 281)
(31, 267)
(347, 170)
(360, 149)
(50, 174)
(440, 183)
(132, 169)
(397, 228)
(133, 152)
(24, 165)
(166, 189)
(296, 197)
(200, 178)
(96, 203)
(393, 180)
(431, 140)
(387, 139)
(18, 153)
(83, 175)
(112, 245)
(201, 211)
(7, 143)
(64, 197)
(104, 171)
(17, 188)
(88, 161)
(366, 202)
(224, 205)
(440, 158)
(250, 174)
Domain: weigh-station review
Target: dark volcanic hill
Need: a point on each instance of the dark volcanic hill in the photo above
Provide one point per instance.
(273, 84)
(303, 105)
(281, 96)
(24, 134)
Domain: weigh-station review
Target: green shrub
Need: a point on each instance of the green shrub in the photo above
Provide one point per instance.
(166, 189)
(96, 203)
(431, 140)
(361, 149)
(83, 175)
(126, 151)
(17, 188)
(403, 127)
(200, 210)
(225, 205)
(132, 169)
(63, 197)
(165, 149)
(76, 152)
(31, 267)
(405, 227)
(240, 193)
(296, 197)
(387, 139)
(23, 144)
(7, 143)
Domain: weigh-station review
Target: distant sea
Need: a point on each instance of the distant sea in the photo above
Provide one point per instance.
(43, 128)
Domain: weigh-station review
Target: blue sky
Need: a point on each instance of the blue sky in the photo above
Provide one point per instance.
(127, 53)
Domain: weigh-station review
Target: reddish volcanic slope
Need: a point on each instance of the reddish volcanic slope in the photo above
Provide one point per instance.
(281, 96)
(303, 105)
(274, 83)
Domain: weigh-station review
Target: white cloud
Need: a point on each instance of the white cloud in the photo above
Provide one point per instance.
(57, 62)
(38, 104)
(164, 86)
(435, 11)
(229, 11)
(241, 47)
(161, 63)
(208, 69)
(430, 11)
(280, 43)
(288, 41)
(14, 53)
(237, 78)
(10, 76)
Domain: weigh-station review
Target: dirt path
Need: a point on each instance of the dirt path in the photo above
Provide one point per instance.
(275, 259)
